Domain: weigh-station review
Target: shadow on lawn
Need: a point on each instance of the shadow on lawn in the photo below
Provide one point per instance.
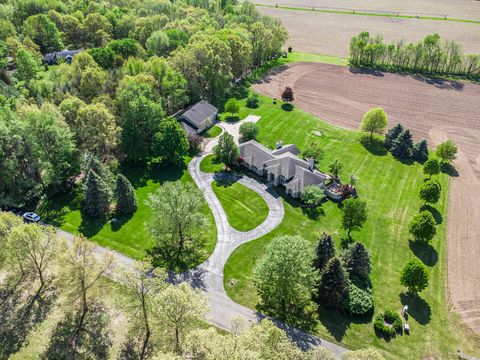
(20, 313)
(418, 308)
(337, 323)
(424, 251)
(435, 213)
(139, 176)
(375, 146)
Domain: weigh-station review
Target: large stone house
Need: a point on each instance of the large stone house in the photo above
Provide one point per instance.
(281, 166)
(198, 117)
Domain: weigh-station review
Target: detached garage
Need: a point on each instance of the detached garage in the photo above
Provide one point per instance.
(197, 118)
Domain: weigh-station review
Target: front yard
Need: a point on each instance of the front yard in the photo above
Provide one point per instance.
(390, 188)
(245, 209)
(128, 235)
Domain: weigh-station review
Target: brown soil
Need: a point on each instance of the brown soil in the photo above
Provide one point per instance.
(330, 33)
(459, 9)
(433, 109)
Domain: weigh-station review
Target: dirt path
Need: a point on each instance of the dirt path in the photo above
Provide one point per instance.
(432, 109)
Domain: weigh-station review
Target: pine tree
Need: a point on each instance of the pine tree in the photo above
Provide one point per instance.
(333, 285)
(420, 151)
(92, 163)
(97, 195)
(125, 196)
(392, 134)
(356, 260)
(325, 251)
(402, 146)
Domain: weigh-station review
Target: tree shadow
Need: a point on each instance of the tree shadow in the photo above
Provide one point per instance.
(287, 107)
(375, 145)
(54, 209)
(435, 213)
(366, 71)
(232, 119)
(225, 179)
(449, 170)
(338, 323)
(139, 175)
(313, 213)
(91, 226)
(93, 340)
(177, 260)
(120, 220)
(418, 308)
(424, 251)
(20, 314)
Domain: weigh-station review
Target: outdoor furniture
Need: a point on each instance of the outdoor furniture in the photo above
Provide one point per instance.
(405, 311)
(406, 328)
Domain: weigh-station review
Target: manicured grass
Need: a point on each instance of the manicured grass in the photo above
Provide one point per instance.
(213, 132)
(366, 13)
(390, 188)
(244, 207)
(208, 165)
(295, 56)
(128, 235)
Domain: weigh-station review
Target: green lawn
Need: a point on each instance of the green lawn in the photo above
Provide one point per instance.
(390, 189)
(244, 207)
(208, 164)
(129, 234)
(213, 132)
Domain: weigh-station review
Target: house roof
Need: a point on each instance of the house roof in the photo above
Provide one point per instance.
(295, 170)
(197, 113)
(59, 54)
(188, 128)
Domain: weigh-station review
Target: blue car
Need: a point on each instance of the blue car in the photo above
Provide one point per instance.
(31, 217)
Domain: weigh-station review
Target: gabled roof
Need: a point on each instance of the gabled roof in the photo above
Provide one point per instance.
(59, 54)
(197, 113)
(295, 171)
(255, 153)
(188, 128)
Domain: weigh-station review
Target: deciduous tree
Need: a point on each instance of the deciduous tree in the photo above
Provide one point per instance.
(248, 130)
(354, 214)
(171, 142)
(226, 151)
(446, 151)
(177, 218)
(414, 276)
(287, 94)
(180, 309)
(43, 32)
(232, 106)
(431, 167)
(375, 121)
(27, 65)
(422, 226)
(430, 191)
(285, 279)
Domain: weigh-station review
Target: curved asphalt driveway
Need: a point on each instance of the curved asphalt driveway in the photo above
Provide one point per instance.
(209, 275)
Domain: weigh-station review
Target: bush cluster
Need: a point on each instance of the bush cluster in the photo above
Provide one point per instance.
(359, 301)
(388, 323)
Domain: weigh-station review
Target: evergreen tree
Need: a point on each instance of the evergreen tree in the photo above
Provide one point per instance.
(333, 285)
(125, 195)
(356, 260)
(420, 151)
(402, 146)
(97, 195)
(392, 134)
(93, 164)
(325, 251)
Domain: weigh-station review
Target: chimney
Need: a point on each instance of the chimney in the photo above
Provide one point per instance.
(311, 164)
(279, 144)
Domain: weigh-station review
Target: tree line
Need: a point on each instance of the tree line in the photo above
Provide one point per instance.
(47, 284)
(429, 56)
(140, 64)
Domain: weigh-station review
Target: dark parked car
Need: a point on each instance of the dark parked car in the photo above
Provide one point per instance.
(31, 217)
